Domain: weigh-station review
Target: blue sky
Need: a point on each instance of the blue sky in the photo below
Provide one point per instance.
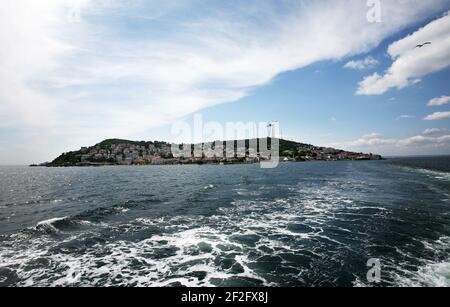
(75, 72)
(318, 104)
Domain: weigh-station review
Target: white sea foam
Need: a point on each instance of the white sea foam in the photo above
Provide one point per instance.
(246, 192)
(122, 256)
(431, 173)
(431, 273)
(51, 221)
(211, 250)
(48, 225)
(121, 209)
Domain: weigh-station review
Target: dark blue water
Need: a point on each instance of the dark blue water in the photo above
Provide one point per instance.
(301, 224)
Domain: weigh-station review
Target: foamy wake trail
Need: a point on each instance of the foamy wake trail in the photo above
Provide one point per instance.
(420, 272)
(431, 273)
(196, 256)
(239, 244)
(304, 235)
(431, 173)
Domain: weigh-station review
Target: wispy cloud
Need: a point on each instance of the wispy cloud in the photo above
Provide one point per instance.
(406, 117)
(75, 83)
(368, 62)
(411, 63)
(439, 101)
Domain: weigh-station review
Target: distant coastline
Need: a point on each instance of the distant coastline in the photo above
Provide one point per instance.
(124, 152)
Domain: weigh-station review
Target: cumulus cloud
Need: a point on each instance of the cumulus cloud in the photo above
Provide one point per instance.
(368, 62)
(440, 101)
(410, 63)
(438, 116)
(423, 140)
(78, 82)
(373, 139)
(433, 130)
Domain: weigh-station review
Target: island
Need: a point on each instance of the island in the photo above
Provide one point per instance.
(125, 152)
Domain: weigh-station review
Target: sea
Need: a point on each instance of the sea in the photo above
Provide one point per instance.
(315, 224)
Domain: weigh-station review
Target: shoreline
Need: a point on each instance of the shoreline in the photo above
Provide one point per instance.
(195, 164)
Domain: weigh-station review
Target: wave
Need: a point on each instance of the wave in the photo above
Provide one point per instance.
(51, 225)
(98, 214)
(196, 256)
(440, 175)
(58, 224)
(86, 218)
(436, 174)
(430, 273)
(411, 271)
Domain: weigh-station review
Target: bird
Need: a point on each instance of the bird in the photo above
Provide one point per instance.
(422, 45)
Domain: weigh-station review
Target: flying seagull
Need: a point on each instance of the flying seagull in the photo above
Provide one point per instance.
(422, 45)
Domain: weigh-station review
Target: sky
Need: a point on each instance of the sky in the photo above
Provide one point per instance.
(342, 73)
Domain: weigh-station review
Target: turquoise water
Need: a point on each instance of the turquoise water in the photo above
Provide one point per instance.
(301, 224)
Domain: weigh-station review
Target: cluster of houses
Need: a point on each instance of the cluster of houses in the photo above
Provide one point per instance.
(127, 154)
(155, 154)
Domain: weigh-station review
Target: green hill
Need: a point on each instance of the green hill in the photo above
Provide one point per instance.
(126, 152)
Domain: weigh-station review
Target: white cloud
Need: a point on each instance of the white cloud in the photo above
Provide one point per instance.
(420, 139)
(28, 50)
(440, 101)
(373, 139)
(74, 83)
(368, 62)
(438, 116)
(390, 146)
(433, 130)
(410, 63)
(372, 135)
(406, 117)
